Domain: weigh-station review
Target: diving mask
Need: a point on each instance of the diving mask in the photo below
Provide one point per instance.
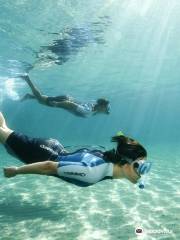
(142, 168)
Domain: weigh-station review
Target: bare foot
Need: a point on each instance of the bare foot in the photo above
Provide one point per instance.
(24, 76)
(27, 96)
(10, 172)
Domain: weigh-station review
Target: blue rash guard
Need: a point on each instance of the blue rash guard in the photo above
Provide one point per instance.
(84, 168)
(85, 109)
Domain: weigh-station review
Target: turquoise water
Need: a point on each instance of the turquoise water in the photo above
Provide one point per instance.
(126, 51)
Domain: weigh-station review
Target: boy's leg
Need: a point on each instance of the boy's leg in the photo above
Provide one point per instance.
(41, 98)
(2, 121)
(4, 130)
(4, 134)
(28, 96)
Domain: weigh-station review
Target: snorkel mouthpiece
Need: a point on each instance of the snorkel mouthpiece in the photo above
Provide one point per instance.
(141, 185)
(143, 169)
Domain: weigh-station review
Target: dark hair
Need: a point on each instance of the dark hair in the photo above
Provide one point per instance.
(102, 102)
(127, 148)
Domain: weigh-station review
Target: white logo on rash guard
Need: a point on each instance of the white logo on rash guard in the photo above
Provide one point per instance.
(75, 173)
(47, 148)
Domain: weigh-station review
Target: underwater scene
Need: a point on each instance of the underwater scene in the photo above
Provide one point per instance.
(125, 53)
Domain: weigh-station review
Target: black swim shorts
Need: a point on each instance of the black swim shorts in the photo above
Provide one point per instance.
(51, 100)
(30, 150)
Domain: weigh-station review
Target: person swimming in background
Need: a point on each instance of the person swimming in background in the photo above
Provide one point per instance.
(80, 109)
(83, 167)
(70, 40)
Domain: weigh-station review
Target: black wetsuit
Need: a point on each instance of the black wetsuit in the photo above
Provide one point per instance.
(30, 150)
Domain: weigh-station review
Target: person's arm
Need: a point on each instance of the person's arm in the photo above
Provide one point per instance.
(44, 168)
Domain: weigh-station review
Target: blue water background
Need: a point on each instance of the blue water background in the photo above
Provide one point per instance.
(129, 52)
